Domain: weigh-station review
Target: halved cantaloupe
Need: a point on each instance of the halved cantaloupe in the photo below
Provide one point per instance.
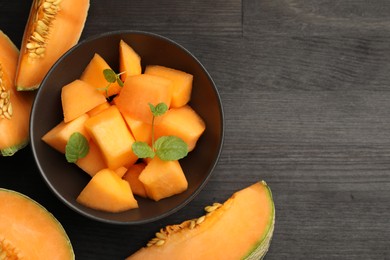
(53, 27)
(59, 135)
(93, 75)
(109, 131)
(29, 231)
(14, 120)
(106, 191)
(78, 97)
(240, 228)
(181, 83)
(93, 161)
(140, 90)
(182, 122)
(132, 175)
(163, 179)
(129, 61)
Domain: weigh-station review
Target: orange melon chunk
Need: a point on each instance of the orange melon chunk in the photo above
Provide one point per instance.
(109, 131)
(106, 191)
(96, 110)
(181, 83)
(93, 75)
(182, 122)
(132, 175)
(163, 179)
(58, 136)
(140, 90)
(78, 97)
(141, 131)
(129, 61)
(121, 171)
(93, 161)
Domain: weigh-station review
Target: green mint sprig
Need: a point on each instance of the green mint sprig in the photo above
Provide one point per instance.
(167, 148)
(111, 77)
(77, 147)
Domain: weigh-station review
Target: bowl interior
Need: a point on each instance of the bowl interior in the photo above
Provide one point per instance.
(67, 180)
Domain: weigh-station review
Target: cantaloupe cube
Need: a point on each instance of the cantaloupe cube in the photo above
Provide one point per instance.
(163, 179)
(106, 191)
(141, 131)
(132, 175)
(109, 131)
(93, 161)
(181, 81)
(78, 97)
(140, 90)
(121, 171)
(96, 110)
(93, 74)
(129, 61)
(182, 122)
(58, 136)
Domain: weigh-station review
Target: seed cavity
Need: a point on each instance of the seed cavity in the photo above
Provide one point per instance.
(45, 13)
(6, 110)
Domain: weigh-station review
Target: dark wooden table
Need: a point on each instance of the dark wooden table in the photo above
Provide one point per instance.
(305, 86)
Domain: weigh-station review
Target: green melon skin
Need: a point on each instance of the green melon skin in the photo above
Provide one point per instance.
(10, 151)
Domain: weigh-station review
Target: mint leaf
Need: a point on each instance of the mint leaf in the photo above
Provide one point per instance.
(77, 147)
(110, 75)
(142, 150)
(120, 82)
(159, 109)
(170, 148)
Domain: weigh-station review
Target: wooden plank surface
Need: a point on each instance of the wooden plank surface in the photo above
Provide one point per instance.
(305, 87)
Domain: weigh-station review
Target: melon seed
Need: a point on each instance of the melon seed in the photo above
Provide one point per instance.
(200, 220)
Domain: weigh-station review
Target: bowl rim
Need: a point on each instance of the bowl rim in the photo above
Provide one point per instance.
(144, 220)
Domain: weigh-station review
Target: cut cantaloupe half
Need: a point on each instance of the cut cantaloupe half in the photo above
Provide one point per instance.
(78, 97)
(240, 228)
(106, 191)
(163, 179)
(181, 83)
(140, 90)
(93, 75)
(93, 161)
(141, 131)
(182, 122)
(129, 61)
(109, 131)
(58, 136)
(132, 175)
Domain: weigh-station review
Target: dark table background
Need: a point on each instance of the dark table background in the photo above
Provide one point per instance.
(305, 86)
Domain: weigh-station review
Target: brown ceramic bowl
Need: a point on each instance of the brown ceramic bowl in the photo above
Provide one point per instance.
(67, 180)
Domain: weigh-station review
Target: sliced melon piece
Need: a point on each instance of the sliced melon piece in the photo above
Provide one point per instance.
(106, 191)
(78, 97)
(132, 176)
(109, 131)
(59, 135)
(241, 228)
(181, 83)
(15, 118)
(129, 61)
(98, 109)
(141, 131)
(93, 161)
(93, 75)
(163, 179)
(53, 27)
(29, 231)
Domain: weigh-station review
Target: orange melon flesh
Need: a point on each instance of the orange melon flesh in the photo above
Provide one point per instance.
(106, 191)
(163, 179)
(182, 122)
(64, 32)
(13, 132)
(29, 231)
(78, 97)
(93, 161)
(141, 131)
(96, 110)
(140, 90)
(59, 135)
(93, 75)
(182, 83)
(109, 131)
(132, 175)
(129, 61)
(241, 228)
(121, 171)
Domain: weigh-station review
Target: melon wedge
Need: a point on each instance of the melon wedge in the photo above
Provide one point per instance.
(29, 231)
(240, 228)
(93, 162)
(129, 61)
(106, 191)
(132, 176)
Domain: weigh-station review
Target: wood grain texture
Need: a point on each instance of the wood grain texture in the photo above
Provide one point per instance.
(305, 87)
